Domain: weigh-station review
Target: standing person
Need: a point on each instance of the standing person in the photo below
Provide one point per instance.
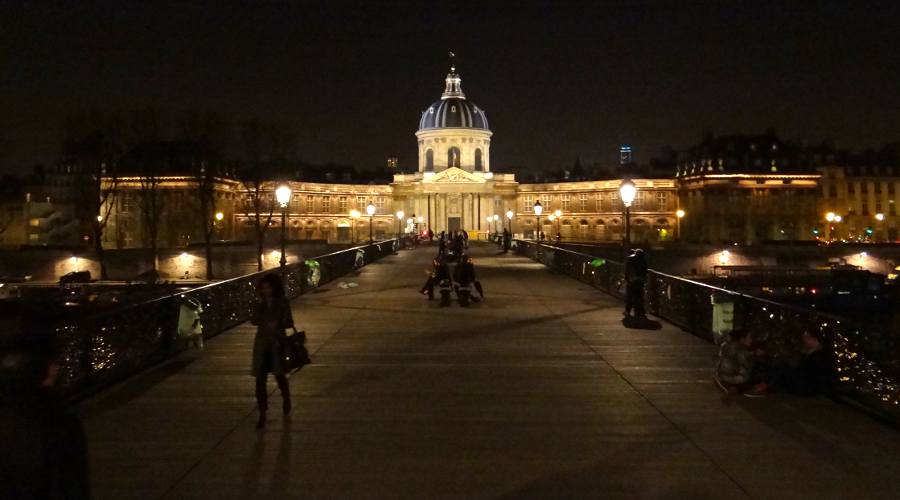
(44, 452)
(430, 235)
(635, 277)
(507, 240)
(465, 238)
(272, 317)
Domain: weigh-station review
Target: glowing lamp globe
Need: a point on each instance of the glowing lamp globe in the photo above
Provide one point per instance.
(283, 194)
(538, 209)
(370, 209)
(627, 191)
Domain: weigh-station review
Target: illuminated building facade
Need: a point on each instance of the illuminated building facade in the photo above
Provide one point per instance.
(746, 189)
(864, 195)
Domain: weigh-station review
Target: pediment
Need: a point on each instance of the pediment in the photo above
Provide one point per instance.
(455, 175)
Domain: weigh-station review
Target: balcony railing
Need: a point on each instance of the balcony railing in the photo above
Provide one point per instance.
(868, 361)
(101, 350)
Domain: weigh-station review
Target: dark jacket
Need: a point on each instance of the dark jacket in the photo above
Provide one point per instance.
(636, 267)
(735, 363)
(268, 345)
(814, 374)
(464, 274)
(43, 449)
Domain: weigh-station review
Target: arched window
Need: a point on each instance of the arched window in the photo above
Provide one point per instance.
(429, 160)
(478, 164)
(453, 157)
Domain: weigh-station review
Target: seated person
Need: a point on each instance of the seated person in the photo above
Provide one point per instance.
(735, 367)
(439, 271)
(811, 376)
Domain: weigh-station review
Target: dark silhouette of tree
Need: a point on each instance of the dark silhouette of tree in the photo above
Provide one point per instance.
(268, 149)
(93, 149)
(210, 134)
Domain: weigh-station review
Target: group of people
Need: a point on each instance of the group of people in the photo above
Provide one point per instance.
(452, 244)
(745, 369)
(460, 281)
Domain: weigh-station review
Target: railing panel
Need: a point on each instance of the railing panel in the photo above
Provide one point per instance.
(101, 350)
(868, 362)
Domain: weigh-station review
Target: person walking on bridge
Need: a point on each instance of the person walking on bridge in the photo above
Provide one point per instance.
(271, 317)
(635, 277)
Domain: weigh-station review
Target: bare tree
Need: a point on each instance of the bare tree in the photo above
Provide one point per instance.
(209, 133)
(93, 149)
(151, 202)
(268, 149)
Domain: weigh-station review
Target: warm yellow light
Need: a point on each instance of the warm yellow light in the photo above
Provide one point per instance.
(509, 214)
(557, 212)
(551, 217)
(496, 217)
(99, 218)
(879, 216)
(220, 216)
(400, 214)
(355, 214)
(488, 218)
(627, 191)
(838, 218)
(830, 216)
(538, 208)
(724, 256)
(283, 194)
(370, 209)
(679, 213)
(421, 219)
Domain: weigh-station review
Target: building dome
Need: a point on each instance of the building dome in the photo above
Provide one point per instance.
(453, 110)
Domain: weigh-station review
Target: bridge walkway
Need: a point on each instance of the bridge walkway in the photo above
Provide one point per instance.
(539, 392)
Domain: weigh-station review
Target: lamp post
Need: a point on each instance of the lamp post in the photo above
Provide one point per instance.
(880, 218)
(400, 214)
(354, 216)
(679, 214)
(558, 213)
(370, 209)
(488, 219)
(538, 209)
(509, 217)
(627, 190)
(496, 218)
(829, 217)
(283, 195)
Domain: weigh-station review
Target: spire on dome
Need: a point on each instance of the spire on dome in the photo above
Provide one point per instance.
(453, 87)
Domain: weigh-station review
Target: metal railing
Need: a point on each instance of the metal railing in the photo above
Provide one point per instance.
(103, 349)
(868, 362)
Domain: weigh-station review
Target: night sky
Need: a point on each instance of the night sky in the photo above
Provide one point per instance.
(556, 80)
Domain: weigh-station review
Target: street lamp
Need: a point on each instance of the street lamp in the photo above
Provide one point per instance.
(880, 218)
(558, 213)
(354, 216)
(679, 214)
(509, 217)
(627, 191)
(496, 218)
(370, 209)
(283, 195)
(400, 215)
(488, 219)
(538, 209)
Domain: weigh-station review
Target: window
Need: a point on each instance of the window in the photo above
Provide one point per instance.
(379, 204)
(566, 201)
(127, 202)
(851, 187)
(527, 203)
(429, 159)
(891, 209)
(546, 201)
(599, 201)
(478, 164)
(662, 201)
(342, 204)
(453, 157)
(310, 203)
(361, 202)
(890, 188)
(326, 204)
(865, 205)
(582, 199)
(34, 222)
(877, 188)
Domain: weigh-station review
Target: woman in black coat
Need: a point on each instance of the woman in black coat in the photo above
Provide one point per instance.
(271, 317)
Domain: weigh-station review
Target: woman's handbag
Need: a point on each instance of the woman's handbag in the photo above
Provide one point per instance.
(295, 354)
